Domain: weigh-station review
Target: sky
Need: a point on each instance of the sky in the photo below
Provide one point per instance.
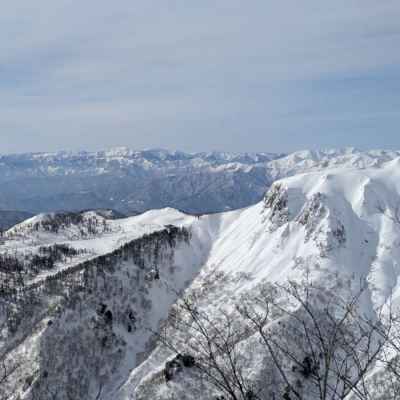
(255, 75)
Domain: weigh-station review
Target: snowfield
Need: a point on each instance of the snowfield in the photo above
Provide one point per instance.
(336, 217)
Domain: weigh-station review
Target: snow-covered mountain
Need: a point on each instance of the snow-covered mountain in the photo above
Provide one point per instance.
(83, 295)
(135, 181)
(132, 181)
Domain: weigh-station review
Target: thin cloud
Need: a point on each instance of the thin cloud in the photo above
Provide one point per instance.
(176, 75)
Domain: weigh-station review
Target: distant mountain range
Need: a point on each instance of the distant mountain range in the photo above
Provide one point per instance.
(131, 182)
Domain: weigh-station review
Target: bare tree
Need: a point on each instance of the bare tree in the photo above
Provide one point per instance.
(208, 346)
(8, 368)
(387, 380)
(317, 341)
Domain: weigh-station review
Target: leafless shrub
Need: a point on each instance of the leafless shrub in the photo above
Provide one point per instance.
(317, 341)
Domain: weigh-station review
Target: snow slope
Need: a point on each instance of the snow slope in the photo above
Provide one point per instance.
(336, 221)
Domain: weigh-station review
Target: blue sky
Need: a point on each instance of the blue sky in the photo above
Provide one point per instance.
(212, 75)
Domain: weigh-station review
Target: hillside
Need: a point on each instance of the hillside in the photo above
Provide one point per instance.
(84, 325)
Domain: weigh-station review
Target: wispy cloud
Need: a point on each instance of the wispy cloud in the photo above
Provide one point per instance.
(228, 74)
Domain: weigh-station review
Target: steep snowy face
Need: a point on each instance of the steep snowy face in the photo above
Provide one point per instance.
(336, 221)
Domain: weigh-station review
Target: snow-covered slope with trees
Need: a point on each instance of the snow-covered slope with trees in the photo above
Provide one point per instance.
(85, 298)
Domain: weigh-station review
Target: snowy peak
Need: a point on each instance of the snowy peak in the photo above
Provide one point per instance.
(304, 161)
(69, 224)
(124, 157)
(348, 219)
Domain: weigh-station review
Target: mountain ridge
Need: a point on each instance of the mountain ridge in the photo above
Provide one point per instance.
(131, 181)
